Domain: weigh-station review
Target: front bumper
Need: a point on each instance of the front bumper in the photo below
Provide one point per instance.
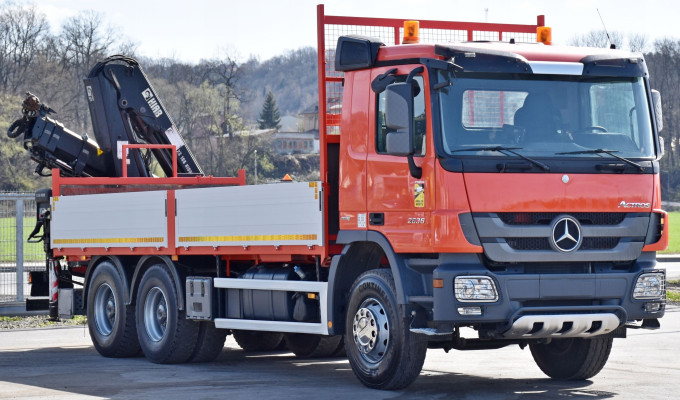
(546, 304)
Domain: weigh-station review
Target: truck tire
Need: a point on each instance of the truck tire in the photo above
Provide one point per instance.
(382, 352)
(165, 335)
(258, 340)
(111, 323)
(313, 346)
(209, 344)
(572, 358)
(340, 352)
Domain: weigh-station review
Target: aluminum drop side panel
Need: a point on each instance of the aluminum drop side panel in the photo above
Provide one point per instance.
(109, 220)
(254, 215)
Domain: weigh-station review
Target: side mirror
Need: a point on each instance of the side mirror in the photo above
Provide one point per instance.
(656, 100)
(399, 118)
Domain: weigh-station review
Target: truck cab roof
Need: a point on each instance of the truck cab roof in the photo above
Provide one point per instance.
(523, 58)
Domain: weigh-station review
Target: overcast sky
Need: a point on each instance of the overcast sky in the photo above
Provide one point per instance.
(200, 29)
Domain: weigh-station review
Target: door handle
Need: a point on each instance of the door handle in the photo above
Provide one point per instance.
(376, 218)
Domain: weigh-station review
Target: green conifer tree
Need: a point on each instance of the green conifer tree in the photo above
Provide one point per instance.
(270, 117)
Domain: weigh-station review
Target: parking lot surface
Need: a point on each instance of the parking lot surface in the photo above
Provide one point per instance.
(60, 363)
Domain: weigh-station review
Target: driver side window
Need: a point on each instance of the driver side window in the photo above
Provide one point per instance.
(420, 120)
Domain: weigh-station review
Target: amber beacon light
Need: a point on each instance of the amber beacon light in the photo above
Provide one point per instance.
(544, 35)
(411, 32)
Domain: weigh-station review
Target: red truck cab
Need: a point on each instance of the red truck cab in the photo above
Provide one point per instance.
(512, 188)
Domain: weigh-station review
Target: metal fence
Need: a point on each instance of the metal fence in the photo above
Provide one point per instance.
(17, 257)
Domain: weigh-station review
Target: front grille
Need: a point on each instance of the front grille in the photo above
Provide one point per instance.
(589, 243)
(558, 303)
(543, 218)
(529, 243)
(599, 243)
(526, 237)
(557, 268)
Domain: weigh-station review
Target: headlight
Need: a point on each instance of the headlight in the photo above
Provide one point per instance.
(475, 289)
(650, 286)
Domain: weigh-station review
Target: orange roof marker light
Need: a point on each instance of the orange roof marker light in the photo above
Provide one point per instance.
(411, 34)
(544, 35)
(287, 178)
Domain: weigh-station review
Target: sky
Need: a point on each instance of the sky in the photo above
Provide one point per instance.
(201, 29)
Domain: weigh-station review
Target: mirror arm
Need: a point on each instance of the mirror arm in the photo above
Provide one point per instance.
(413, 73)
(416, 171)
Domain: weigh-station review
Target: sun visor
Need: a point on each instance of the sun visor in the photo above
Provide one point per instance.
(473, 59)
(605, 65)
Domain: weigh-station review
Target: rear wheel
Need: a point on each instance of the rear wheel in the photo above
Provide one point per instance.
(313, 346)
(382, 352)
(257, 340)
(165, 335)
(111, 323)
(572, 358)
(209, 344)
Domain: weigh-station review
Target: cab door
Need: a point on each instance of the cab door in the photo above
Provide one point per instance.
(398, 204)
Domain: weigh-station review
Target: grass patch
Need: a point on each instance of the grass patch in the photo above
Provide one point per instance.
(76, 320)
(32, 251)
(10, 319)
(674, 233)
(673, 296)
(673, 291)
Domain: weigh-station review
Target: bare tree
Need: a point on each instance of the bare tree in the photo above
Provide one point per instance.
(225, 75)
(23, 33)
(664, 69)
(637, 42)
(83, 41)
(597, 39)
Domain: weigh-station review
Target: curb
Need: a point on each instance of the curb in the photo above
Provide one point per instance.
(668, 257)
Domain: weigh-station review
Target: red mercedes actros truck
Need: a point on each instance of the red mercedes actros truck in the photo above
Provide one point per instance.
(478, 188)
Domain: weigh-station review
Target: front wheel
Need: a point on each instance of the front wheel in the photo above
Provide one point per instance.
(166, 336)
(382, 352)
(572, 358)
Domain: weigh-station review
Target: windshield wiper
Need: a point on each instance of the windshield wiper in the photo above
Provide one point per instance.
(510, 150)
(603, 151)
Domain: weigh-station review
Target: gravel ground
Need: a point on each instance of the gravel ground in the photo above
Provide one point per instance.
(38, 321)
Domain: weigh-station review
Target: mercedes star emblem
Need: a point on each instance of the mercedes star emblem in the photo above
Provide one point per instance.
(566, 234)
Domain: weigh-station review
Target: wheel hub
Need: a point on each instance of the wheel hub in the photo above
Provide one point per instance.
(104, 309)
(162, 314)
(111, 309)
(155, 314)
(365, 330)
(371, 330)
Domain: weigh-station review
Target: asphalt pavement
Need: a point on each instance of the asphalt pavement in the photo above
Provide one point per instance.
(62, 364)
(672, 264)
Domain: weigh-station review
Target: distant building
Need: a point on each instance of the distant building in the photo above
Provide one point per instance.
(304, 142)
(296, 142)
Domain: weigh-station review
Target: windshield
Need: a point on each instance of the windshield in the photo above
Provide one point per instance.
(546, 114)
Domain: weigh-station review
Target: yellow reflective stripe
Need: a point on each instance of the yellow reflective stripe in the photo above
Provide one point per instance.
(110, 240)
(246, 238)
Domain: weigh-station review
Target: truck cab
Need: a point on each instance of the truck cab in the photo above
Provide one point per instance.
(511, 187)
